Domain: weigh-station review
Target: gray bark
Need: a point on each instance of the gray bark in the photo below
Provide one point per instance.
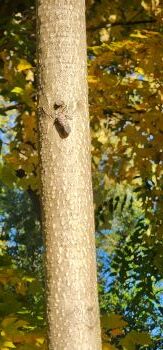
(67, 203)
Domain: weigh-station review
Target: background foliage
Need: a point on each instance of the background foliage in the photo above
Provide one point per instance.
(125, 96)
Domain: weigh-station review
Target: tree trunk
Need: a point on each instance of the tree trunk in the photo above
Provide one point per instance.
(68, 223)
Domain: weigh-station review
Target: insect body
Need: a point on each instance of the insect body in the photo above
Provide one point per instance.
(60, 117)
(61, 120)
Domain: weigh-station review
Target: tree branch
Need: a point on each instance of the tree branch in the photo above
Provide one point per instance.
(128, 23)
(5, 109)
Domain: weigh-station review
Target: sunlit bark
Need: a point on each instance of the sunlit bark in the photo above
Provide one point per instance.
(68, 223)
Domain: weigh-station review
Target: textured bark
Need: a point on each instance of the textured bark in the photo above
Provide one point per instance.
(68, 223)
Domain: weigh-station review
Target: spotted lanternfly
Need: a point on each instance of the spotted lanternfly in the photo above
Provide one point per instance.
(61, 120)
(62, 126)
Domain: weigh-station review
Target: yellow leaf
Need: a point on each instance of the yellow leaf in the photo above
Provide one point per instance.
(112, 321)
(103, 138)
(135, 338)
(23, 65)
(139, 70)
(104, 34)
(138, 34)
(28, 279)
(92, 79)
(30, 76)
(40, 341)
(96, 160)
(3, 334)
(17, 90)
(146, 6)
(112, 18)
(9, 344)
